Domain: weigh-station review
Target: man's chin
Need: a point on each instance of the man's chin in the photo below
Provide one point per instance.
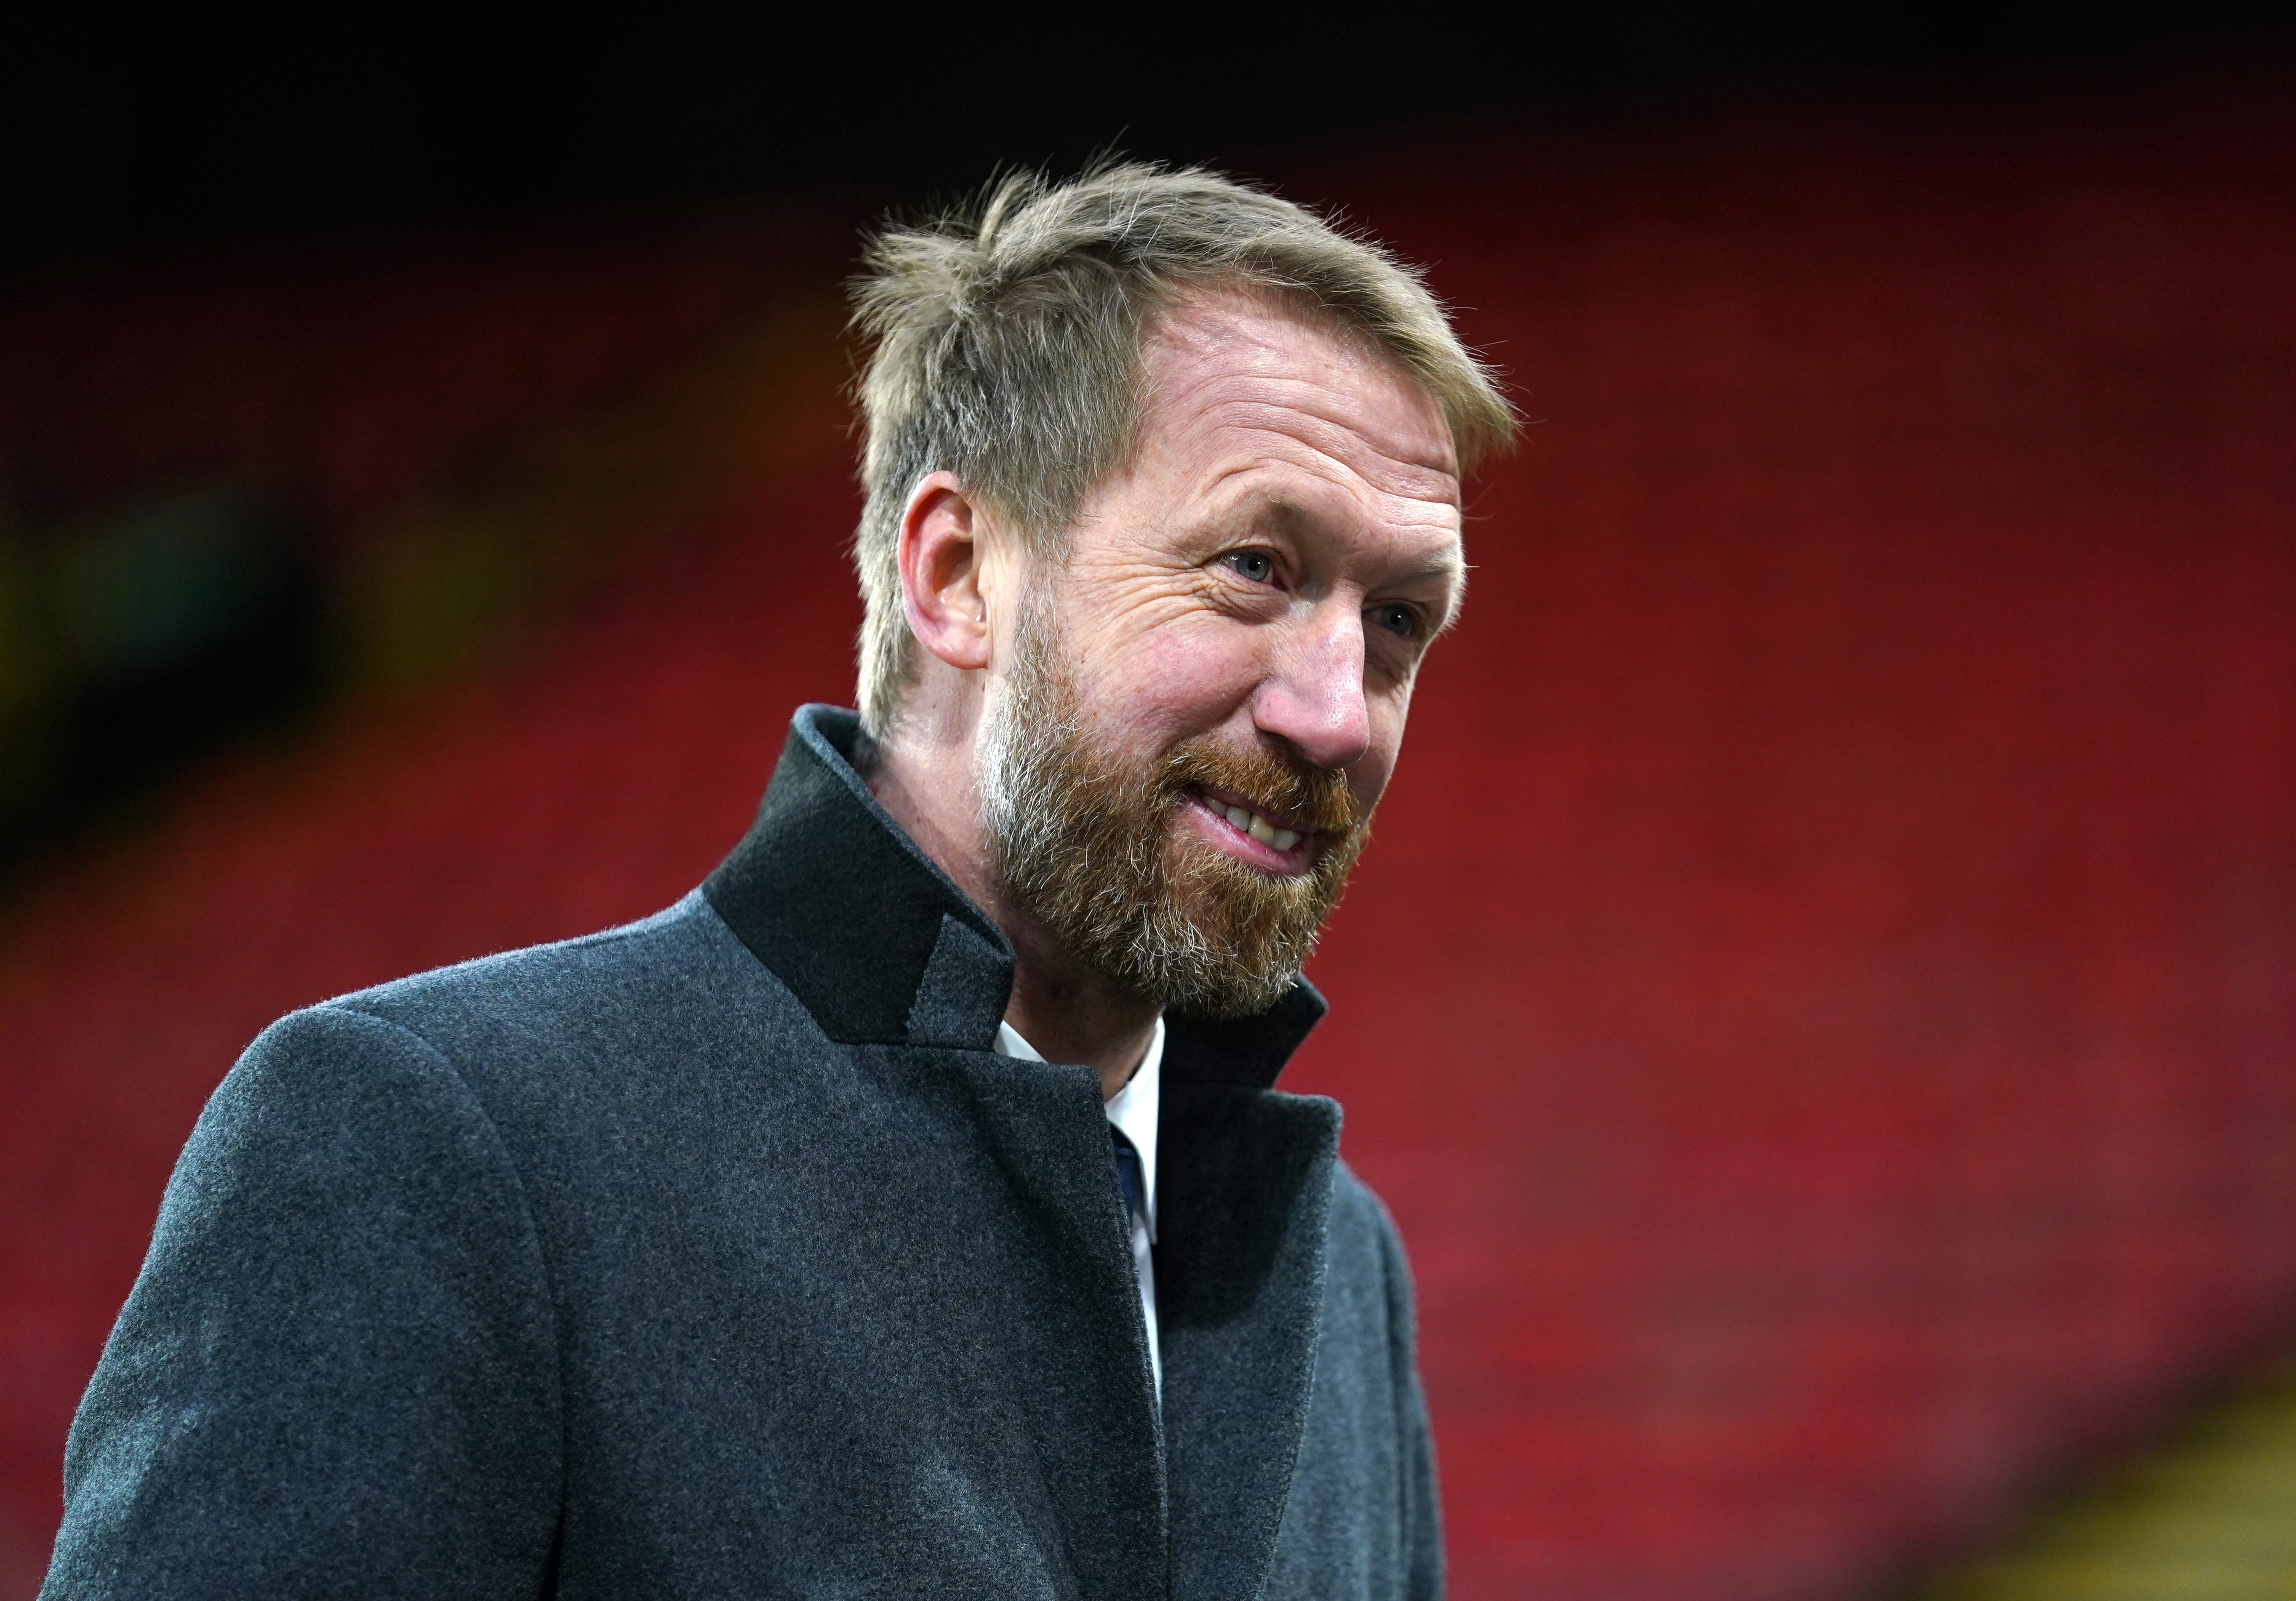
(1232, 992)
(1233, 938)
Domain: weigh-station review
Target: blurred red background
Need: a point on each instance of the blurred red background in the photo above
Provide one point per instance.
(1821, 1003)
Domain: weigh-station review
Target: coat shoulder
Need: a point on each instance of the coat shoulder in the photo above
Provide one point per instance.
(550, 1019)
(558, 1048)
(678, 951)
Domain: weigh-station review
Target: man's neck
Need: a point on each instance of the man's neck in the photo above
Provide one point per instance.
(1067, 1012)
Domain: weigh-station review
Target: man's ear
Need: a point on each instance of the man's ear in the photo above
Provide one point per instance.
(939, 555)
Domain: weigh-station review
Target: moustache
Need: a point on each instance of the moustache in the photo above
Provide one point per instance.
(1314, 800)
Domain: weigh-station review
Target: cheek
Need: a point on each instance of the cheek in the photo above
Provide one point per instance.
(1173, 683)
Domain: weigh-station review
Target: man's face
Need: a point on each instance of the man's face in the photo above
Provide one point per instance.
(1193, 715)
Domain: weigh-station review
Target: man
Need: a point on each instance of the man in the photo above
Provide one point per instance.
(906, 1212)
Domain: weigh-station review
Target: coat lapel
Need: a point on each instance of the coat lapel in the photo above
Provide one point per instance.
(1088, 1400)
(1244, 1201)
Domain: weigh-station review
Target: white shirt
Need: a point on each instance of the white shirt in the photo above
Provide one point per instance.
(1133, 1113)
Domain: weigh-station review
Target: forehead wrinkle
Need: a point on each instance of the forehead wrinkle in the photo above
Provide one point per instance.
(1266, 401)
(1304, 479)
(1196, 358)
(1337, 451)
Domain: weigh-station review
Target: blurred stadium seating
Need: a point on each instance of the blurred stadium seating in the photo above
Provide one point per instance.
(1821, 1002)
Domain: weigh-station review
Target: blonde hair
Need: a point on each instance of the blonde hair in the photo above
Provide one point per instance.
(1007, 335)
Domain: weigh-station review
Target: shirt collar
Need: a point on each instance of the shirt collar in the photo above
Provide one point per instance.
(1132, 1111)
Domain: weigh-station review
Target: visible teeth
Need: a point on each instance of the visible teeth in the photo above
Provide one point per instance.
(1258, 827)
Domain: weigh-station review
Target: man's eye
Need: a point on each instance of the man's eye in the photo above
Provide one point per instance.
(1257, 566)
(1397, 620)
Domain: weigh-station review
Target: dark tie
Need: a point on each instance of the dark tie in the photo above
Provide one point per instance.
(1129, 1182)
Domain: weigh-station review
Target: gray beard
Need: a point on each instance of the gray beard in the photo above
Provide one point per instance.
(1090, 850)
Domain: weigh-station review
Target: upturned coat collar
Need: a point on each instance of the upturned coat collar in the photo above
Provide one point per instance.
(882, 949)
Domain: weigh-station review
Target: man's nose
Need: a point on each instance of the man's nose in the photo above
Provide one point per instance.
(1314, 698)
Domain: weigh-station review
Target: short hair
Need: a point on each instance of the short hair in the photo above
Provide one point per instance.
(1008, 334)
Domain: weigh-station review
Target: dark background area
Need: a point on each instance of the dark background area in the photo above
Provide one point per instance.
(129, 130)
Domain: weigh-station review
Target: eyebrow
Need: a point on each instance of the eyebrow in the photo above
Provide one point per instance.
(1452, 566)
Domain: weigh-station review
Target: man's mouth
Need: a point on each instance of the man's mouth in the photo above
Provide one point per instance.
(1247, 817)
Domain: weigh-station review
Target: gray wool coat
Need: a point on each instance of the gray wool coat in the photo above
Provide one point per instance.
(719, 1257)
